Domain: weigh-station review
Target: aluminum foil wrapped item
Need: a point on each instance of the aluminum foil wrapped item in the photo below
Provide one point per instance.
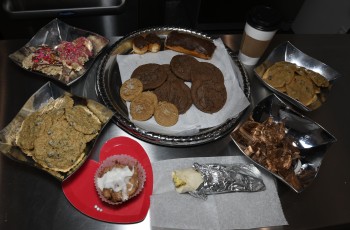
(206, 179)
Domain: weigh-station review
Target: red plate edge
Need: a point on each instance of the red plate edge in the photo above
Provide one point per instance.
(80, 191)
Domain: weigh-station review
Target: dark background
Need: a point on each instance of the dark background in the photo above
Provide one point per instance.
(23, 18)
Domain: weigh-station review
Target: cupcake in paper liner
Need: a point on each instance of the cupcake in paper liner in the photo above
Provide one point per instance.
(119, 178)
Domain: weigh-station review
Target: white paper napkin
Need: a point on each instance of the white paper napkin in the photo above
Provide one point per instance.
(193, 120)
(238, 210)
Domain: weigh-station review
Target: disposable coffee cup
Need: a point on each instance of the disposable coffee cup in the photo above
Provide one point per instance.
(261, 25)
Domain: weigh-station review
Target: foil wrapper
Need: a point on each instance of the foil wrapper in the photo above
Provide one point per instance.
(221, 178)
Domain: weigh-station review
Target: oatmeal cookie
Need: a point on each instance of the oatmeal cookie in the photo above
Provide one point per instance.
(83, 120)
(60, 147)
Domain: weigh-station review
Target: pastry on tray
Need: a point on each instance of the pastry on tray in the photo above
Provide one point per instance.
(190, 44)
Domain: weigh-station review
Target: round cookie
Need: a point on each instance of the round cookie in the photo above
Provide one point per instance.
(130, 89)
(181, 66)
(301, 89)
(151, 75)
(59, 148)
(170, 75)
(33, 126)
(142, 107)
(166, 114)
(152, 96)
(208, 97)
(279, 75)
(83, 120)
(318, 79)
(205, 71)
(176, 92)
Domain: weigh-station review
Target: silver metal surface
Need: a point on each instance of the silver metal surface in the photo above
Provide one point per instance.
(108, 81)
(31, 199)
(289, 53)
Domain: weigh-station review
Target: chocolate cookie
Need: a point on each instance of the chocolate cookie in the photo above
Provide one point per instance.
(151, 75)
(207, 96)
(181, 66)
(205, 71)
(175, 91)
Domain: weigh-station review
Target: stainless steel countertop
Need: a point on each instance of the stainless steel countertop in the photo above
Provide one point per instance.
(31, 199)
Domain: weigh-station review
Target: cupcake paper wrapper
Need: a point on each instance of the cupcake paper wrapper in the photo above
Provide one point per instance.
(125, 160)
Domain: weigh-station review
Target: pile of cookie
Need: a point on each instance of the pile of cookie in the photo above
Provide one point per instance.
(56, 135)
(298, 82)
(160, 90)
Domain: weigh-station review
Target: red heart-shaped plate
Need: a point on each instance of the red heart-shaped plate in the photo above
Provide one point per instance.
(80, 190)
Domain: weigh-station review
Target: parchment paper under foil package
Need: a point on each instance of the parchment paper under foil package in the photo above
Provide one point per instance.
(229, 210)
(40, 101)
(221, 178)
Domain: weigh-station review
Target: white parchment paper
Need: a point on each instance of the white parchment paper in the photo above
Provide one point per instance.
(193, 120)
(240, 210)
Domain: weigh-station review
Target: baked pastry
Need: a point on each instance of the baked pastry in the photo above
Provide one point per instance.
(182, 65)
(205, 71)
(119, 178)
(302, 89)
(166, 114)
(154, 42)
(43, 59)
(151, 75)
(66, 60)
(190, 44)
(175, 91)
(130, 89)
(74, 54)
(139, 45)
(142, 107)
(208, 96)
(56, 135)
(300, 83)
